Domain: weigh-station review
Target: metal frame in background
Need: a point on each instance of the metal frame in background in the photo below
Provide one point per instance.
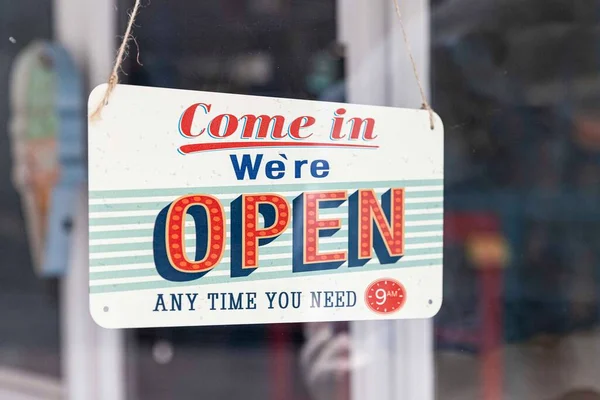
(93, 358)
(378, 72)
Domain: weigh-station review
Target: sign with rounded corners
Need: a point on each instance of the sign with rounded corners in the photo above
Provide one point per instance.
(216, 209)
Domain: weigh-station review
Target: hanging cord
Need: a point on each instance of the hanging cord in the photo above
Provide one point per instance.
(425, 104)
(113, 80)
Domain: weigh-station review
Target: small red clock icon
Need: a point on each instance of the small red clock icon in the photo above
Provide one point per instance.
(385, 296)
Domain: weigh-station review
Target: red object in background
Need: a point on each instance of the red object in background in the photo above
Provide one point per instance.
(458, 227)
(481, 232)
(343, 388)
(280, 374)
(587, 132)
(491, 310)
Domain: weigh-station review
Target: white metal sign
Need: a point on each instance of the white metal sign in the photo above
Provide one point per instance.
(214, 209)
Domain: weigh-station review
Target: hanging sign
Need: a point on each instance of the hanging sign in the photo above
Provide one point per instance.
(214, 209)
(47, 147)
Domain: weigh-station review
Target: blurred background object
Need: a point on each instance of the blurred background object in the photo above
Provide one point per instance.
(29, 331)
(581, 395)
(47, 149)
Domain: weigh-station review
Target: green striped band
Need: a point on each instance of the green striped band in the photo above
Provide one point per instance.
(159, 284)
(109, 248)
(150, 219)
(136, 233)
(129, 260)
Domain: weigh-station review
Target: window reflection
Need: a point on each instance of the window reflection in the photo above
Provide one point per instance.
(516, 83)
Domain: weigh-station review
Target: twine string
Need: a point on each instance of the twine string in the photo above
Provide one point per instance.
(113, 80)
(425, 104)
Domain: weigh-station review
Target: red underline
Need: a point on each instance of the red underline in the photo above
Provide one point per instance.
(199, 147)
